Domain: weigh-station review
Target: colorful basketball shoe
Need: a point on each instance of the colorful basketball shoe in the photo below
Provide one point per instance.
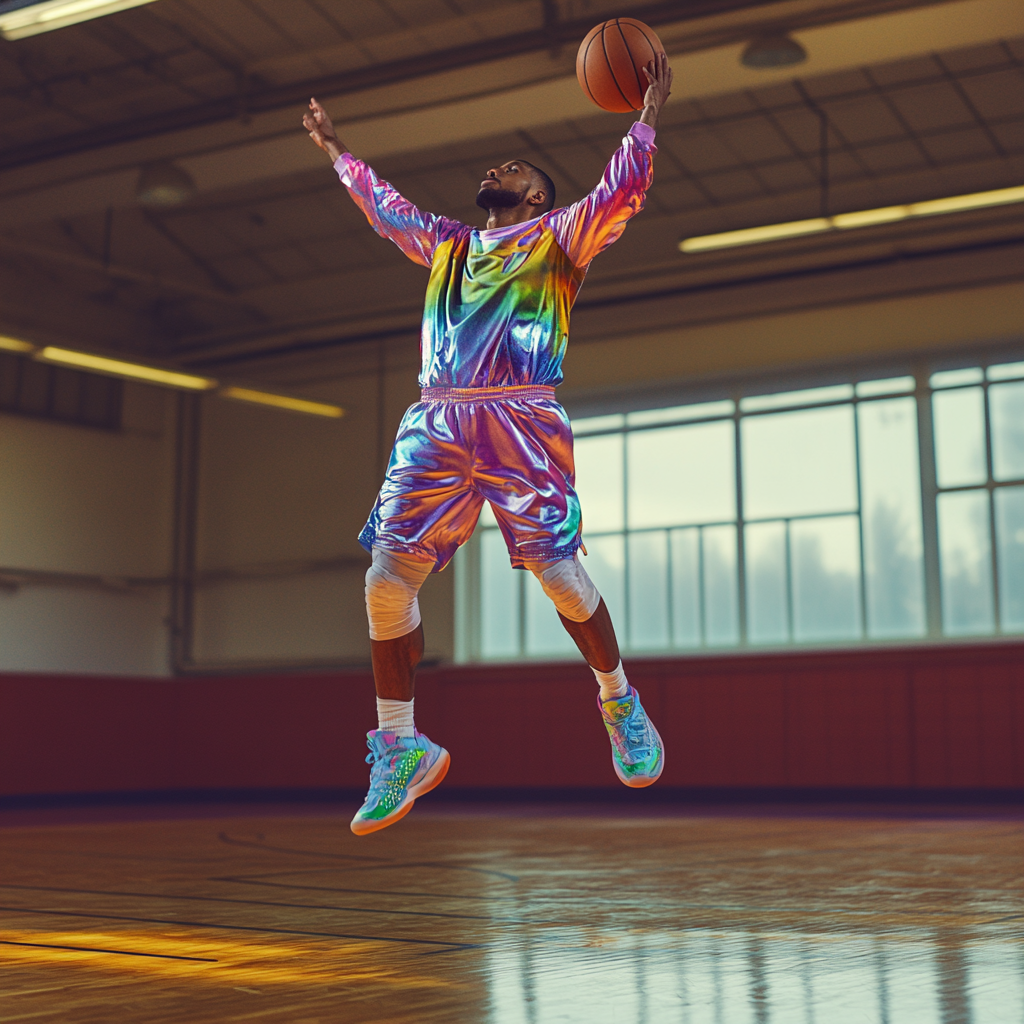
(637, 753)
(403, 768)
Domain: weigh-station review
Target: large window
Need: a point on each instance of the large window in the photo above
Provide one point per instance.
(804, 517)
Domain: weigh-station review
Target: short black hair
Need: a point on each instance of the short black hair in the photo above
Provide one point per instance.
(545, 182)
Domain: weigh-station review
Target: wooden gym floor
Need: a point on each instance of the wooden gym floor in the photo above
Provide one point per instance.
(514, 916)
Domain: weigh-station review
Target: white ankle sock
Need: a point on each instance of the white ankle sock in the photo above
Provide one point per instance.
(396, 716)
(613, 684)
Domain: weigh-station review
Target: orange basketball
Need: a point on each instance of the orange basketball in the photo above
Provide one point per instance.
(611, 60)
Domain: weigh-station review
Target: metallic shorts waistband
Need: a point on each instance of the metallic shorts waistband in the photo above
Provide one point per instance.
(510, 393)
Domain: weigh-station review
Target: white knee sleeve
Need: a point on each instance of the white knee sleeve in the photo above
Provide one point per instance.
(392, 585)
(570, 588)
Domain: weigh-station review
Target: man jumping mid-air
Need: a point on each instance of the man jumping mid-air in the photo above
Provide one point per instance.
(488, 428)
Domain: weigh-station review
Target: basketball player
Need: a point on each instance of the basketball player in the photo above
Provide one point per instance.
(488, 428)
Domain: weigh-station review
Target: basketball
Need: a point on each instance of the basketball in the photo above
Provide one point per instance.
(611, 60)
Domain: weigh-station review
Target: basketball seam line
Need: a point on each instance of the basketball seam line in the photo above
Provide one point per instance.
(654, 52)
(586, 81)
(636, 73)
(608, 62)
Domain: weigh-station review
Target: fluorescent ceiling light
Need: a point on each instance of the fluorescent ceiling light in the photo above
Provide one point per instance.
(750, 236)
(15, 344)
(846, 221)
(120, 368)
(283, 402)
(19, 19)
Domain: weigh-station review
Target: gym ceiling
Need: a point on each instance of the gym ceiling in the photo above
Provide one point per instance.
(268, 264)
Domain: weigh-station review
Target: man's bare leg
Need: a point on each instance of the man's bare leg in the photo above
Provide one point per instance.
(637, 752)
(394, 665)
(595, 638)
(396, 636)
(405, 763)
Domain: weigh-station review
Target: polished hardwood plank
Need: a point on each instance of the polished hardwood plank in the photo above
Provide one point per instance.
(515, 916)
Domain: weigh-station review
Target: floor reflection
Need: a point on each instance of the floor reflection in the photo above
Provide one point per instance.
(516, 916)
(709, 977)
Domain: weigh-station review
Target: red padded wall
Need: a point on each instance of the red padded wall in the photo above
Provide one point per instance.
(920, 718)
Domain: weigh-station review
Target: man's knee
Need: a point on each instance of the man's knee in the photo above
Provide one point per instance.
(570, 588)
(392, 584)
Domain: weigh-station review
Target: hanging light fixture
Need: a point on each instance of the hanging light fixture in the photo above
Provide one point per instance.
(164, 184)
(773, 51)
(21, 18)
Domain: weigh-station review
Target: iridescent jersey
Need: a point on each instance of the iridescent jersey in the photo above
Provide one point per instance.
(498, 301)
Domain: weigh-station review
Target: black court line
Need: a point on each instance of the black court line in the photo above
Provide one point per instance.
(117, 952)
(383, 863)
(485, 918)
(574, 897)
(397, 865)
(213, 926)
(260, 880)
(231, 841)
(388, 863)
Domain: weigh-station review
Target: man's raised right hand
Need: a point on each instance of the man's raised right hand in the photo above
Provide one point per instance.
(321, 131)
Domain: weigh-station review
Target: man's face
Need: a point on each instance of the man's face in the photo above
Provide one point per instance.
(506, 186)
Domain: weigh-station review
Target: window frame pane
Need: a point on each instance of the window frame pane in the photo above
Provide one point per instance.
(671, 608)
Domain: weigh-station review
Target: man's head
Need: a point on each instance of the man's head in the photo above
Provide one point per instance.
(517, 183)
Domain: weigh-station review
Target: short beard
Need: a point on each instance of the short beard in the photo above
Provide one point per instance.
(499, 198)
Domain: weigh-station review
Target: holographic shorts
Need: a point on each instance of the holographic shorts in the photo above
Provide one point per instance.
(460, 447)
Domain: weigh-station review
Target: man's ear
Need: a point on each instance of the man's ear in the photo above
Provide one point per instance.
(537, 197)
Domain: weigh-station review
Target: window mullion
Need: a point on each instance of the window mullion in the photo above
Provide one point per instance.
(788, 566)
(989, 487)
(860, 522)
(741, 559)
(929, 505)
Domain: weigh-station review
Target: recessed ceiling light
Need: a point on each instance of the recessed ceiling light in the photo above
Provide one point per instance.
(20, 18)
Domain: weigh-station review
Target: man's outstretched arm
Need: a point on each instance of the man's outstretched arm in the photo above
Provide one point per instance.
(591, 225)
(390, 214)
(659, 88)
(321, 131)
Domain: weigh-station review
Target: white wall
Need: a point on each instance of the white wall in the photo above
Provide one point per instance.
(82, 500)
(277, 488)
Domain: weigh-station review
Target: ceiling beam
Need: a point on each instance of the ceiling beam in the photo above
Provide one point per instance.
(159, 282)
(270, 145)
(260, 98)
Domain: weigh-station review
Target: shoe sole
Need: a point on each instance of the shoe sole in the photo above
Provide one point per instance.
(640, 782)
(433, 778)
